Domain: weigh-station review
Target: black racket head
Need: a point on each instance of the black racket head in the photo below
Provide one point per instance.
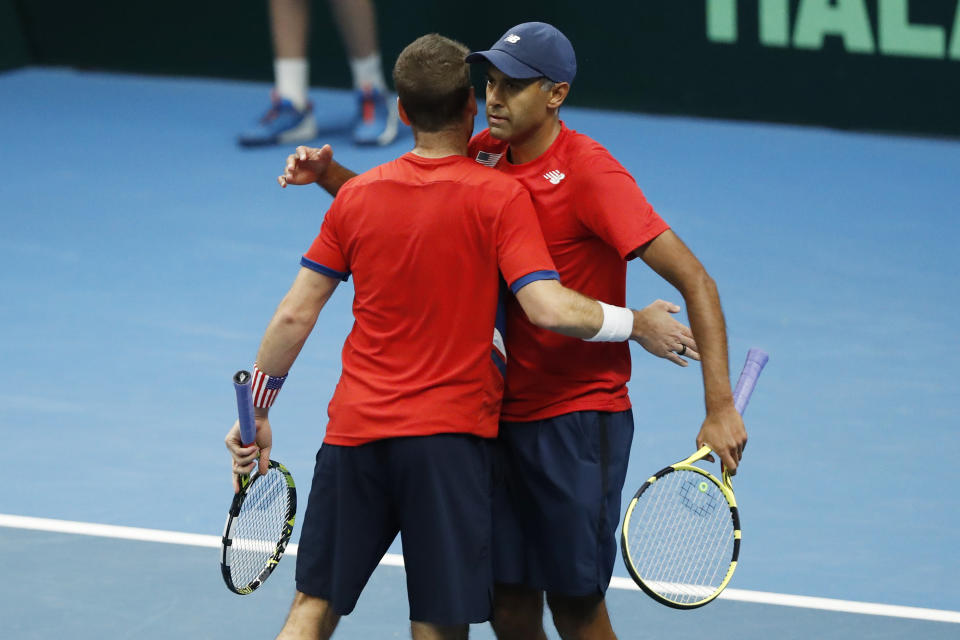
(680, 539)
(258, 528)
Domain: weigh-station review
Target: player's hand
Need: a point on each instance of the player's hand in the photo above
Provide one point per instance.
(306, 165)
(724, 432)
(244, 457)
(658, 332)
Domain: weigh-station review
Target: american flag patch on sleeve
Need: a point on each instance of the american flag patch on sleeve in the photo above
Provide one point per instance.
(488, 159)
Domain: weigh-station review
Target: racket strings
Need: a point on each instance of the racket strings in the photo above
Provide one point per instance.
(258, 528)
(693, 525)
(680, 537)
(662, 550)
(683, 526)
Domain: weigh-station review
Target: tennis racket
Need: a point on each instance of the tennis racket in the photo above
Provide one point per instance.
(261, 517)
(681, 532)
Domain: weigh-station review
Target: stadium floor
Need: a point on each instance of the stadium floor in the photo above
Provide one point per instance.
(143, 253)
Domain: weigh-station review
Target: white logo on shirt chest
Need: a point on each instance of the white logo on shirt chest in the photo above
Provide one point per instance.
(554, 176)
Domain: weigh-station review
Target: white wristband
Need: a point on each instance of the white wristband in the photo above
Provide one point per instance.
(617, 324)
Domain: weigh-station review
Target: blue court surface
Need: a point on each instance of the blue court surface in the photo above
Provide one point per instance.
(143, 253)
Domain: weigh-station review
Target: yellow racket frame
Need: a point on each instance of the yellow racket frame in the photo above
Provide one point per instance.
(726, 488)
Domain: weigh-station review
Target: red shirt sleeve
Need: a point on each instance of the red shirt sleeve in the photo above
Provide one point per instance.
(326, 254)
(521, 250)
(610, 204)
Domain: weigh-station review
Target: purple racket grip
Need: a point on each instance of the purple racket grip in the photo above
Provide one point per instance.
(248, 428)
(756, 360)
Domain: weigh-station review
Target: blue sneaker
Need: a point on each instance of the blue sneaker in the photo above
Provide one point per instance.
(378, 118)
(282, 124)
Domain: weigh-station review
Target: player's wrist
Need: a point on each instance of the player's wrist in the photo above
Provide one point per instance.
(617, 324)
(265, 389)
(718, 402)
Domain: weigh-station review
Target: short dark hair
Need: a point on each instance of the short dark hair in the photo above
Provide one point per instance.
(432, 80)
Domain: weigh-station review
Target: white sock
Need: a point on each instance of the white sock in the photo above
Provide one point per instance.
(292, 77)
(367, 72)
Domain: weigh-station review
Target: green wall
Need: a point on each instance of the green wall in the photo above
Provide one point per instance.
(889, 65)
(13, 45)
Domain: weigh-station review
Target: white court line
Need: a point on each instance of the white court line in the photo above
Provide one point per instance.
(396, 560)
(824, 604)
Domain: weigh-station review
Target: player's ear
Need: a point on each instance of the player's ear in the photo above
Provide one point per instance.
(472, 103)
(558, 93)
(470, 112)
(403, 114)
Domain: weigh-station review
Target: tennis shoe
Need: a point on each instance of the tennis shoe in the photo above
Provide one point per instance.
(283, 123)
(378, 119)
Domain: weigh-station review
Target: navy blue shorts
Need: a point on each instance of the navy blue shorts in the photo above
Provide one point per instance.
(557, 500)
(434, 490)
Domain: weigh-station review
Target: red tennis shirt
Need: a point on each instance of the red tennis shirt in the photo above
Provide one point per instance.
(593, 216)
(425, 240)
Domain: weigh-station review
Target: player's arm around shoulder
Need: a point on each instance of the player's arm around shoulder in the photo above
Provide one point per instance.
(549, 305)
(552, 306)
(310, 165)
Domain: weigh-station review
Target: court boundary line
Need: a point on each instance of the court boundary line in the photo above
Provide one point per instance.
(396, 560)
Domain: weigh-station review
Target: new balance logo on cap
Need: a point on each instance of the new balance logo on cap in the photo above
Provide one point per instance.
(554, 176)
(531, 50)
